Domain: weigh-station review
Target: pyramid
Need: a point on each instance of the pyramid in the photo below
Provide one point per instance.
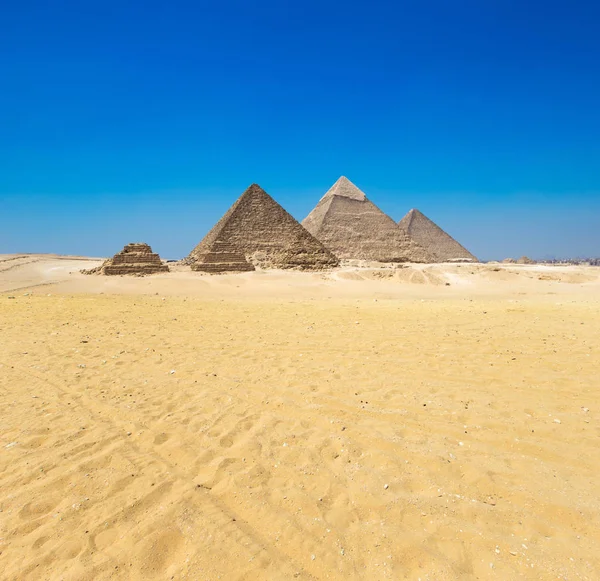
(135, 258)
(222, 257)
(259, 229)
(352, 227)
(431, 237)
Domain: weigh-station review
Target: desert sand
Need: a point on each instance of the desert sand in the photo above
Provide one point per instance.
(433, 422)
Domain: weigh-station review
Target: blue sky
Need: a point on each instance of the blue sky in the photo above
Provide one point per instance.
(143, 121)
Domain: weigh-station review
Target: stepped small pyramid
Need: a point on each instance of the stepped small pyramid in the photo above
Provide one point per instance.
(352, 227)
(135, 258)
(431, 237)
(257, 229)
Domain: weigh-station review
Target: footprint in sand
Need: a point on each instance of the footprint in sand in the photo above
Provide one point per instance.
(39, 542)
(27, 528)
(256, 476)
(37, 509)
(105, 539)
(161, 439)
(69, 550)
(35, 442)
(157, 553)
(226, 442)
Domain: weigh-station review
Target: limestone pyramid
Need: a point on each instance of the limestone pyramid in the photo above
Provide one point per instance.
(431, 237)
(136, 258)
(222, 257)
(352, 227)
(258, 228)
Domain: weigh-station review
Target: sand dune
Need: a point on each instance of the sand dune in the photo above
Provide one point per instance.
(63, 274)
(359, 424)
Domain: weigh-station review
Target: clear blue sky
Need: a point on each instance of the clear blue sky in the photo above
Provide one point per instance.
(143, 121)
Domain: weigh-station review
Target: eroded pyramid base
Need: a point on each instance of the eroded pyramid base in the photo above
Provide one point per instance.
(223, 257)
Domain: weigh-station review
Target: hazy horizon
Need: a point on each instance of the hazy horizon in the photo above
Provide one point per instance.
(108, 222)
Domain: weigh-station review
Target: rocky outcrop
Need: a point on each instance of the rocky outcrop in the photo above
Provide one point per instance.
(136, 259)
(258, 228)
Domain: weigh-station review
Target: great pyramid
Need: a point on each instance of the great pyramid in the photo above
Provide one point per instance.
(135, 258)
(259, 229)
(431, 237)
(352, 227)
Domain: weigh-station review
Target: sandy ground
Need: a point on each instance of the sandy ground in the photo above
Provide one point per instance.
(361, 424)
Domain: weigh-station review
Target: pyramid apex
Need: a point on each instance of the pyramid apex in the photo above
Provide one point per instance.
(345, 188)
(412, 213)
(255, 190)
(254, 187)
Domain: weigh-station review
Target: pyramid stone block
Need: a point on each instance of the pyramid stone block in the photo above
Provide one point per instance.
(259, 229)
(352, 227)
(431, 237)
